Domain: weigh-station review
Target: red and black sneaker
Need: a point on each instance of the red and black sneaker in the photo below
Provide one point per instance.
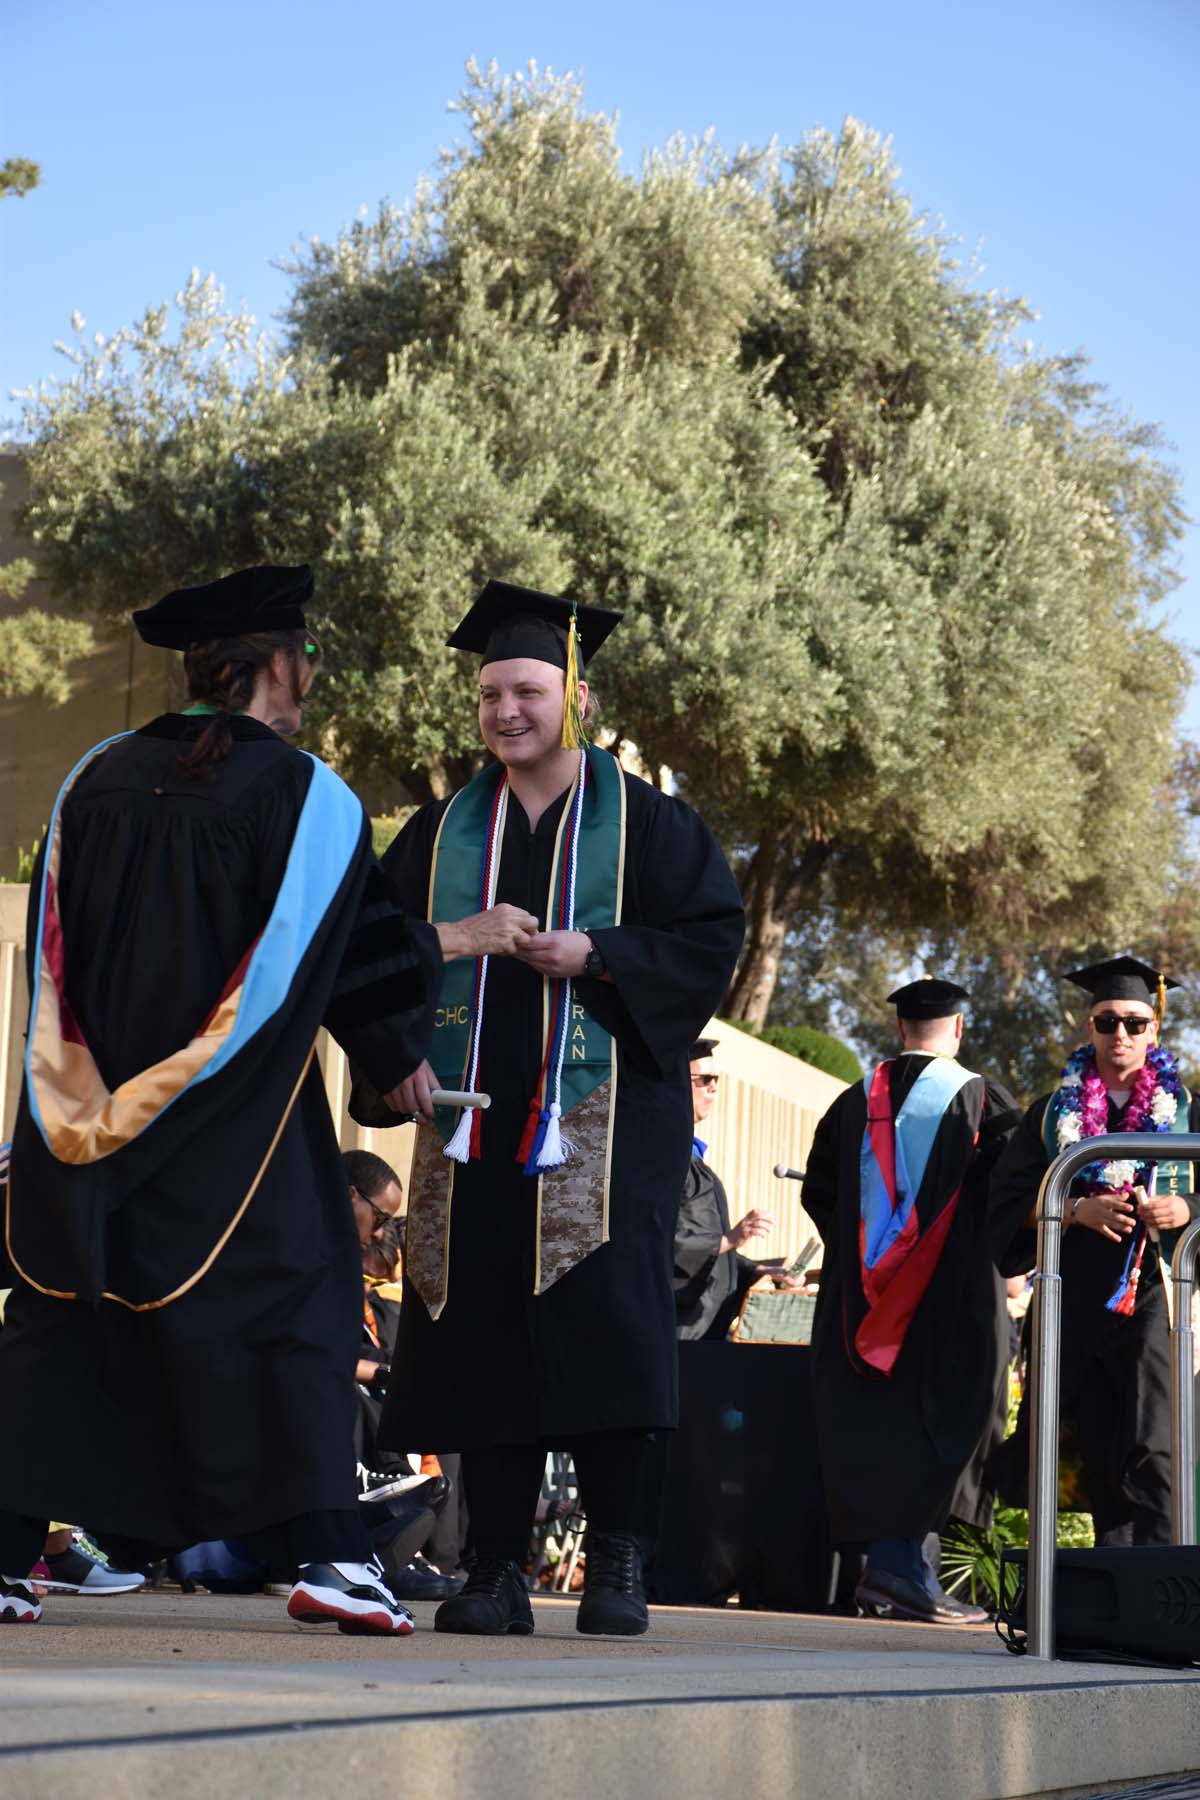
(361, 1606)
(19, 1605)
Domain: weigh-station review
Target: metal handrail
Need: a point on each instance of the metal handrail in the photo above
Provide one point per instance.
(1045, 1358)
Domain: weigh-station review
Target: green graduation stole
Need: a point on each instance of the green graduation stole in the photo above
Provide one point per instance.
(577, 1084)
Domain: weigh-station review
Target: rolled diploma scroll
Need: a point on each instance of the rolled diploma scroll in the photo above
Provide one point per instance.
(452, 1097)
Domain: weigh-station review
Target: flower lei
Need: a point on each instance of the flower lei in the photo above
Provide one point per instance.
(1083, 1113)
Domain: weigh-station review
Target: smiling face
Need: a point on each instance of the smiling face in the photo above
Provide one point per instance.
(521, 710)
(1119, 1054)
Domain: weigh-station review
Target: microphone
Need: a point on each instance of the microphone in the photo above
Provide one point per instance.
(781, 1172)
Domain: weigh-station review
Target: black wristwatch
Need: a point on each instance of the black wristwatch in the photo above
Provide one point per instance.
(594, 965)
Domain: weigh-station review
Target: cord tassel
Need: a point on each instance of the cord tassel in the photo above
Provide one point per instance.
(556, 1148)
(1124, 1300)
(458, 1148)
(573, 735)
(529, 1135)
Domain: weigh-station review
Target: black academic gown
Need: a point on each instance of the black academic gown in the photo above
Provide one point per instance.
(1115, 1389)
(596, 1351)
(709, 1281)
(232, 1408)
(893, 1449)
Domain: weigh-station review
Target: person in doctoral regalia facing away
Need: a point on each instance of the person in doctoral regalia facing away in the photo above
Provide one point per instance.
(538, 1307)
(905, 1343)
(177, 1361)
(1119, 1226)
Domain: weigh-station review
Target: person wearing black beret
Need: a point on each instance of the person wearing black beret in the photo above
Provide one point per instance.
(187, 1285)
(907, 1348)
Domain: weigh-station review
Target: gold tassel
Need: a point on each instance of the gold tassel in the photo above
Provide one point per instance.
(572, 729)
(1160, 1003)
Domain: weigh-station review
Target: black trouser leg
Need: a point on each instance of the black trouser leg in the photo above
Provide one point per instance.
(448, 1539)
(330, 1536)
(501, 1487)
(621, 1481)
(22, 1541)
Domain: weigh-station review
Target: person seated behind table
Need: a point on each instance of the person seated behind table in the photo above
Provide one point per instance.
(376, 1197)
(711, 1274)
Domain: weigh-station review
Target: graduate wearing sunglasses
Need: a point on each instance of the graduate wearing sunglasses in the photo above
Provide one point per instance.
(1118, 1226)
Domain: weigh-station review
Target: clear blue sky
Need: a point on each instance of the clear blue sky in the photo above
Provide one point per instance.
(1058, 137)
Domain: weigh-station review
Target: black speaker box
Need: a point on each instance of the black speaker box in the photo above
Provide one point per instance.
(1132, 1601)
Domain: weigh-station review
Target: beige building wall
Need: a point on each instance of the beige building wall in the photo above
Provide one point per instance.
(768, 1104)
(121, 685)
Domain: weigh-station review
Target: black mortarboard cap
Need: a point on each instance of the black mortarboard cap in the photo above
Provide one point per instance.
(271, 597)
(929, 998)
(702, 1047)
(1121, 978)
(508, 621)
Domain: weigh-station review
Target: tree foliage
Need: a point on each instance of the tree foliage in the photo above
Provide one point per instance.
(18, 177)
(888, 574)
(35, 653)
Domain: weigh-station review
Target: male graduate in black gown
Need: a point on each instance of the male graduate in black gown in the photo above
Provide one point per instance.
(538, 1304)
(711, 1274)
(177, 1362)
(1119, 1223)
(905, 1346)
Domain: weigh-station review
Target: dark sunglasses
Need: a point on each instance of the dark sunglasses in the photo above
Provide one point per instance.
(1106, 1023)
(705, 1080)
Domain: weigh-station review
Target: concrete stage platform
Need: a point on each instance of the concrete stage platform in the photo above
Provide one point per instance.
(187, 1696)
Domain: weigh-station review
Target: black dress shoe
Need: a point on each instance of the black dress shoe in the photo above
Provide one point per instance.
(904, 1599)
(493, 1603)
(614, 1597)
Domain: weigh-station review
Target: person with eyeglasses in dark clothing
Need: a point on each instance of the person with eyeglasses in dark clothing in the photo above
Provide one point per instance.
(1118, 1229)
(376, 1200)
(711, 1274)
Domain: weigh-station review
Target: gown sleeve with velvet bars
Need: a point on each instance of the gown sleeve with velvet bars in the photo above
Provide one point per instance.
(895, 1445)
(188, 1272)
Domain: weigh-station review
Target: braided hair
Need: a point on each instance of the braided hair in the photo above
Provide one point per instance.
(221, 672)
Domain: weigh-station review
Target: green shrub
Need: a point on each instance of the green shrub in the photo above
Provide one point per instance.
(26, 860)
(388, 827)
(970, 1564)
(809, 1045)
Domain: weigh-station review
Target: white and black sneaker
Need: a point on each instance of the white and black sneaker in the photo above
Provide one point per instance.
(351, 1596)
(19, 1605)
(373, 1486)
